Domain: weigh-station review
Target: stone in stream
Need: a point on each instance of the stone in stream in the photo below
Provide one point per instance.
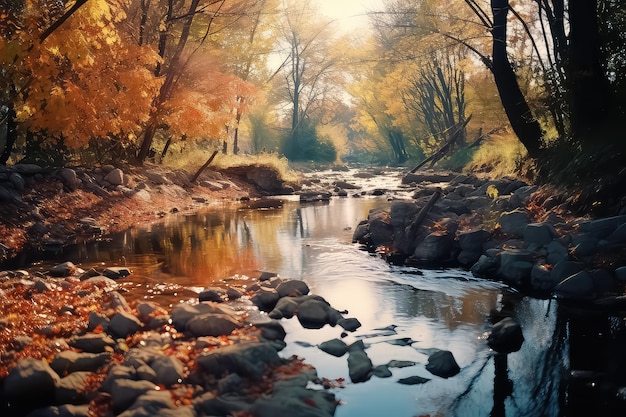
(335, 347)
(413, 380)
(292, 287)
(169, 370)
(63, 270)
(92, 342)
(437, 246)
(124, 324)
(248, 359)
(69, 361)
(265, 298)
(71, 389)
(124, 392)
(443, 364)
(116, 272)
(359, 364)
(213, 324)
(506, 336)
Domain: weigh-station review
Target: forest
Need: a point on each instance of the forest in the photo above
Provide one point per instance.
(531, 87)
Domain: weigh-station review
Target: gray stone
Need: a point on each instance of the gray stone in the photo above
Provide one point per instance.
(514, 222)
(271, 330)
(71, 389)
(211, 294)
(124, 324)
(577, 287)
(213, 324)
(116, 272)
(437, 246)
(381, 371)
(65, 410)
(473, 240)
(602, 228)
(556, 252)
(346, 185)
(295, 402)
(293, 287)
(116, 372)
(565, 269)
(541, 278)
(62, 270)
(443, 364)
(17, 181)
(30, 376)
(506, 336)
(233, 293)
(92, 342)
(169, 370)
(468, 258)
(359, 364)
(539, 234)
(209, 404)
(69, 178)
(156, 403)
(349, 324)
(27, 169)
(287, 307)
(124, 392)
(247, 359)
(313, 313)
(265, 298)
(515, 265)
(486, 266)
(68, 361)
(157, 178)
(620, 274)
(413, 380)
(115, 177)
(335, 347)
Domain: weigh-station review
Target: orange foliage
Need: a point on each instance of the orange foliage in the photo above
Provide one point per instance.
(86, 80)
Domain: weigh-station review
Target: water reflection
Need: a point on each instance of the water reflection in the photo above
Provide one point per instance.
(435, 309)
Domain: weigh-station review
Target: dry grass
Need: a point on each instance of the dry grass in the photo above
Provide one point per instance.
(498, 157)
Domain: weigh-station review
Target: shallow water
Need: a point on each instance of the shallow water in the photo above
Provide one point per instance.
(436, 309)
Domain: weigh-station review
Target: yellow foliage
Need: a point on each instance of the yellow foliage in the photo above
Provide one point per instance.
(498, 156)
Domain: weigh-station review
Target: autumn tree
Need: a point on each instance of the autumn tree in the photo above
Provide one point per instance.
(71, 75)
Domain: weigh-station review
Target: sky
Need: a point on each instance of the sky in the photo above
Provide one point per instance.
(351, 14)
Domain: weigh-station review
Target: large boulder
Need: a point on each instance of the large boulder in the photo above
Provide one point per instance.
(579, 286)
(436, 247)
(506, 336)
(514, 222)
(539, 234)
(359, 364)
(213, 324)
(31, 381)
(247, 359)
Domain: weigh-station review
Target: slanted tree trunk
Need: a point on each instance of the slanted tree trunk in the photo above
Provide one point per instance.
(524, 124)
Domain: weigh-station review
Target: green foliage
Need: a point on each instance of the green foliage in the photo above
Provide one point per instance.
(459, 159)
(304, 144)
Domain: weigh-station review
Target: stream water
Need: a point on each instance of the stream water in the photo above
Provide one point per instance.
(436, 309)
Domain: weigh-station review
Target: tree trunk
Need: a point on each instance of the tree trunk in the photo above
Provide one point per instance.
(586, 83)
(517, 110)
(11, 136)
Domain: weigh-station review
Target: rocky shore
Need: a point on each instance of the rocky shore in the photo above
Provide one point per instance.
(526, 236)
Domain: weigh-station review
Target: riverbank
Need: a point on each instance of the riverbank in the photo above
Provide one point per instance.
(48, 208)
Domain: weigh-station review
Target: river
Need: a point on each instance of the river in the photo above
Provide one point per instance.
(430, 308)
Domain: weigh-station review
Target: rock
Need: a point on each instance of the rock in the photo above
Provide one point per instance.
(208, 404)
(359, 364)
(71, 389)
(65, 410)
(602, 228)
(620, 274)
(346, 185)
(515, 266)
(539, 234)
(506, 336)
(213, 324)
(381, 371)
(541, 278)
(428, 176)
(265, 298)
(17, 181)
(28, 169)
(116, 372)
(124, 392)
(92, 342)
(157, 178)
(313, 313)
(361, 233)
(349, 324)
(577, 287)
(115, 177)
(556, 252)
(413, 380)
(468, 258)
(247, 359)
(287, 307)
(335, 347)
(437, 246)
(486, 266)
(211, 294)
(271, 330)
(69, 178)
(157, 403)
(68, 361)
(295, 401)
(565, 269)
(380, 230)
(116, 272)
(514, 222)
(233, 293)
(124, 324)
(169, 370)
(31, 381)
(443, 364)
(63, 270)
(619, 235)
(473, 240)
(292, 287)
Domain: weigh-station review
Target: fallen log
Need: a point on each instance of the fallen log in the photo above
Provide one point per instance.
(411, 230)
(202, 168)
